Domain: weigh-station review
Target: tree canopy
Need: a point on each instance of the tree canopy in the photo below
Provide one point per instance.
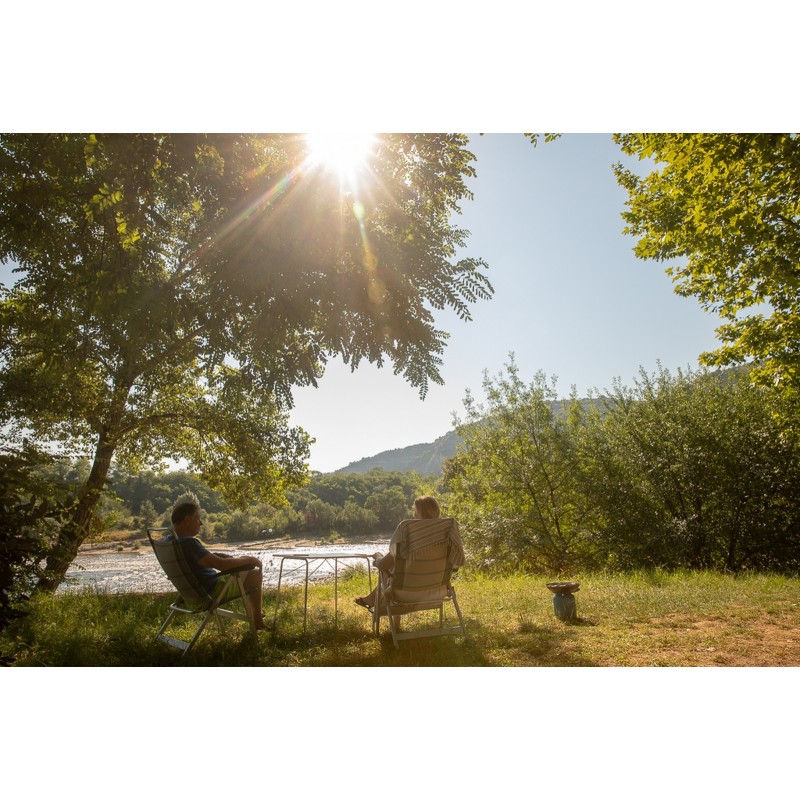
(724, 209)
(173, 288)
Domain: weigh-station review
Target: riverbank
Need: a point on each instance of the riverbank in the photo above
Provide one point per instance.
(135, 570)
(135, 542)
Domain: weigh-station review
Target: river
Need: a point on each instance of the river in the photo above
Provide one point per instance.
(138, 572)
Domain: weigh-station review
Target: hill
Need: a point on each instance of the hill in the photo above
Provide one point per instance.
(426, 459)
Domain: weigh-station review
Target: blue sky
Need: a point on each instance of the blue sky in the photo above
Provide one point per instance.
(570, 299)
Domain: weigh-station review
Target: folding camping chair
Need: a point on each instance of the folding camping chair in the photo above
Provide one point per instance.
(193, 598)
(421, 579)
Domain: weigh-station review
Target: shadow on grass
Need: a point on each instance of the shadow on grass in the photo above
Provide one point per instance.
(108, 631)
(533, 644)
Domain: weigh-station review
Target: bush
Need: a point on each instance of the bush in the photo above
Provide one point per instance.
(30, 511)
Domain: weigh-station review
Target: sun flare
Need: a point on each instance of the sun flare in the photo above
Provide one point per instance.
(341, 153)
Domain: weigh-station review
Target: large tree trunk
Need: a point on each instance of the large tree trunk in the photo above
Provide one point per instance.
(75, 531)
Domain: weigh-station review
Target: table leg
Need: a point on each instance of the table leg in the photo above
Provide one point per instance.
(277, 597)
(305, 600)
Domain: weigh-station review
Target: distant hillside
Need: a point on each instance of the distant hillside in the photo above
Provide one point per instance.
(426, 459)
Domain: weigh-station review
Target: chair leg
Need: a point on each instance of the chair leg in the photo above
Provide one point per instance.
(392, 625)
(376, 615)
(220, 626)
(458, 612)
(166, 622)
(199, 630)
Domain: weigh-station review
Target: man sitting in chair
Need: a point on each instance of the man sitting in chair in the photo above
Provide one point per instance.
(424, 508)
(186, 523)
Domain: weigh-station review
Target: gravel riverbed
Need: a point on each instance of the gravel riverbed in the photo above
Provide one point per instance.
(138, 572)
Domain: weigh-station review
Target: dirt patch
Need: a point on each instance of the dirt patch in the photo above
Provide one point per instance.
(757, 640)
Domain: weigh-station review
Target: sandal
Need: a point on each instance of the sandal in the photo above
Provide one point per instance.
(360, 601)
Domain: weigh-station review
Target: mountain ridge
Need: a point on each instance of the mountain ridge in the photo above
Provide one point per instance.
(425, 458)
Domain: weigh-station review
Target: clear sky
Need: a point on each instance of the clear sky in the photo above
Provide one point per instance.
(570, 299)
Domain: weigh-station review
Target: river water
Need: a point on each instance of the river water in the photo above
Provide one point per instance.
(138, 572)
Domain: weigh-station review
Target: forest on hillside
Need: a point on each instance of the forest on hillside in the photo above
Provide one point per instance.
(330, 505)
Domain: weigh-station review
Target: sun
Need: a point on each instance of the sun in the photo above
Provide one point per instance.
(341, 153)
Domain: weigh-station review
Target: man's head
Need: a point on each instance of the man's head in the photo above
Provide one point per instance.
(186, 519)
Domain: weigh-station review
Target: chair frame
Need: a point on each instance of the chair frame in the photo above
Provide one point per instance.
(386, 605)
(193, 598)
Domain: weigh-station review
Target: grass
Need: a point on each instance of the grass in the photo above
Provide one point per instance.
(640, 619)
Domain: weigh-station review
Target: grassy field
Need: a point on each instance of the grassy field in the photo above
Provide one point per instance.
(642, 619)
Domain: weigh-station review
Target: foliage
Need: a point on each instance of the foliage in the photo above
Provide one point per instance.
(389, 505)
(371, 502)
(514, 487)
(694, 470)
(245, 526)
(354, 519)
(148, 515)
(29, 509)
(727, 207)
(691, 471)
(337, 488)
(174, 288)
(320, 515)
(162, 490)
(548, 137)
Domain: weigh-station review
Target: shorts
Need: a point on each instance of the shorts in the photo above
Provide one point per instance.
(231, 590)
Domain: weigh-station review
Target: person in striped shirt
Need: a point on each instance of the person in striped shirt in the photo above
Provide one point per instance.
(427, 508)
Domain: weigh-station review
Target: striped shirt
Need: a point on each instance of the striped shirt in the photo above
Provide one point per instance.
(412, 536)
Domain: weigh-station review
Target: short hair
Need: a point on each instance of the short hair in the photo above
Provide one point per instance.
(427, 507)
(183, 510)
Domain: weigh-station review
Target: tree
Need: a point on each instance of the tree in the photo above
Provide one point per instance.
(514, 486)
(727, 207)
(354, 519)
(162, 489)
(390, 505)
(320, 515)
(148, 515)
(174, 288)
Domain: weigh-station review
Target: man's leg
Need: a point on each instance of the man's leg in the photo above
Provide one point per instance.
(253, 597)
